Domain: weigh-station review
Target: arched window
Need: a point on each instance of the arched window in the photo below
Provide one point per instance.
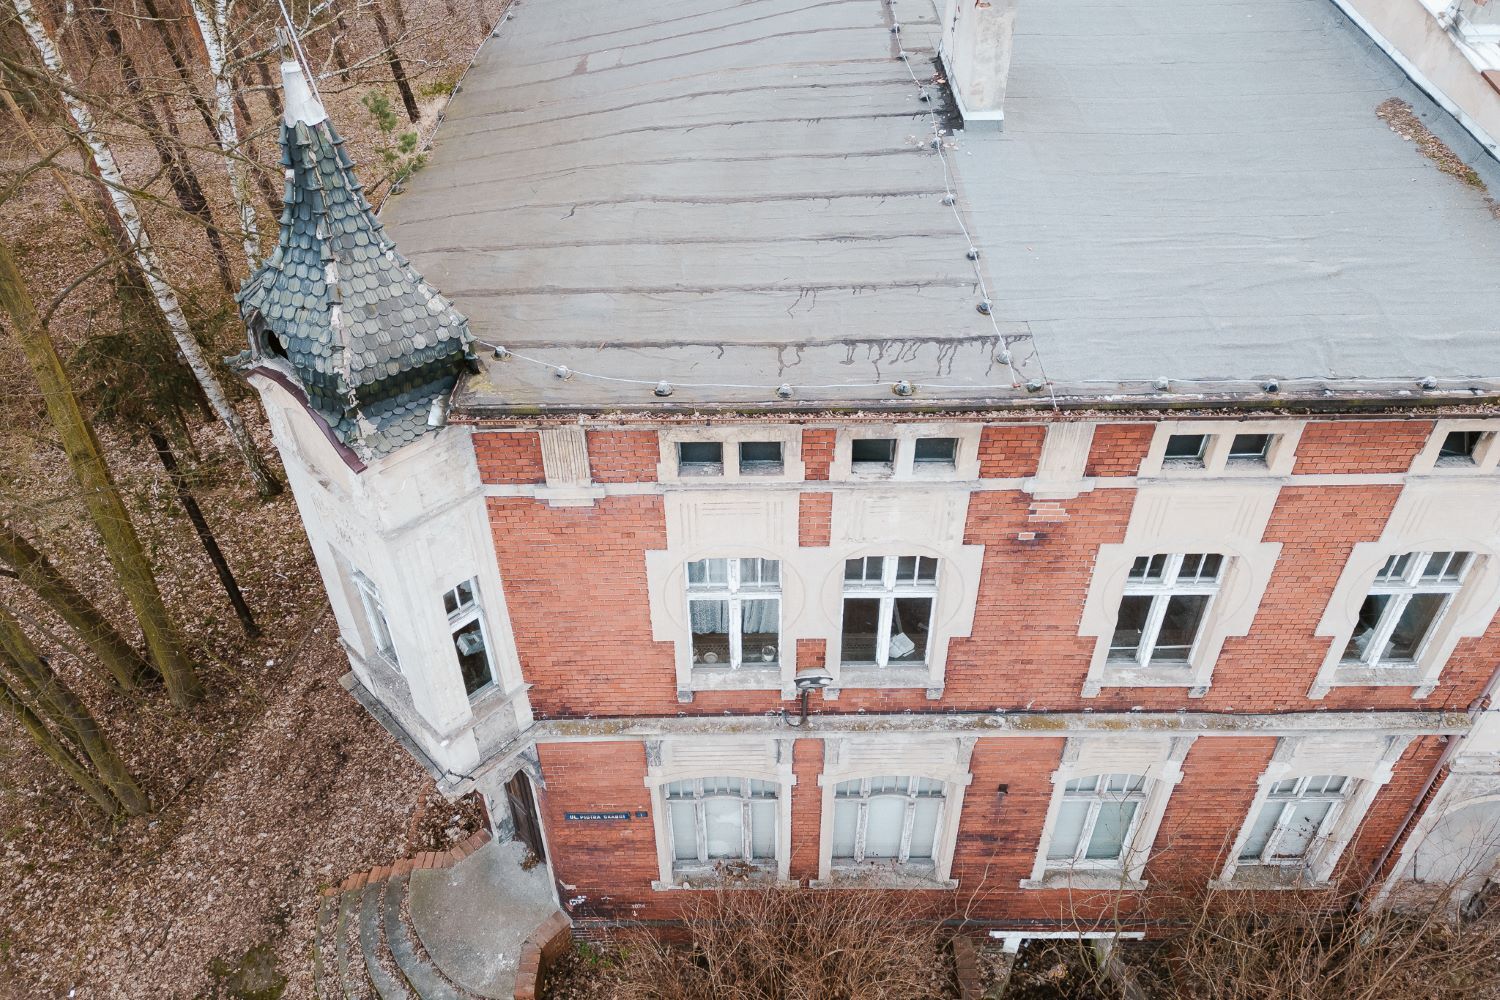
(721, 819)
(886, 819)
(1096, 820)
(1297, 813)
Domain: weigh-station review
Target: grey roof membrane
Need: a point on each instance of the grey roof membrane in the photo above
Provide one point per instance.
(732, 194)
(370, 340)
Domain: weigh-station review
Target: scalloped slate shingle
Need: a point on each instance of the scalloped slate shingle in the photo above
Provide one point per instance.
(371, 341)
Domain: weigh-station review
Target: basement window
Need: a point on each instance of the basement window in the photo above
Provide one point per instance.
(872, 456)
(760, 458)
(1186, 450)
(936, 452)
(700, 458)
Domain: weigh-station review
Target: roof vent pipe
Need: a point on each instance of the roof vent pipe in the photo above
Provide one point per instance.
(976, 47)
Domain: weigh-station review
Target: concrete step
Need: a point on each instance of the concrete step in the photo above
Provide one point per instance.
(351, 974)
(386, 986)
(424, 980)
(322, 947)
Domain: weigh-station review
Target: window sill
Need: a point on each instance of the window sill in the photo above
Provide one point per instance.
(1273, 877)
(916, 675)
(1407, 675)
(1119, 675)
(732, 875)
(762, 678)
(1063, 878)
(872, 876)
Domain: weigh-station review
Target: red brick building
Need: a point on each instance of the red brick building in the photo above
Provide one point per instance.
(821, 492)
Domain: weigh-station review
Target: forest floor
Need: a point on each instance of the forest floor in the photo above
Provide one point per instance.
(278, 783)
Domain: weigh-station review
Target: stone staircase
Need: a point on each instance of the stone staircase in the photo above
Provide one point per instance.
(365, 946)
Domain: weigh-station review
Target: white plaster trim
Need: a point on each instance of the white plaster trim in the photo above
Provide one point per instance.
(925, 755)
(1156, 758)
(789, 435)
(1369, 761)
(1065, 455)
(1182, 518)
(1432, 514)
(1280, 457)
(1486, 457)
(681, 759)
(904, 468)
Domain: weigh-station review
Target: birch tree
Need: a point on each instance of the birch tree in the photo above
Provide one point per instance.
(99, 494)
(212, 17)
(143, 251)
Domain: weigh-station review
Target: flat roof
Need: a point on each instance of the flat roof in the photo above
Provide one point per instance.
(729, 196)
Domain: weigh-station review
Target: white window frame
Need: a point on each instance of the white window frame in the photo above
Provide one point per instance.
(379, 626)
(1280, 456)
(1096, 798)
(904, 467)
(1224, 518)
(1268, 856)
(691, 758)
(460, 618)
(888, 591)
(943, 759)
(730, 438)
(1367, 760)
(912, 795)
(732, 593)
(1161, 593)
(1158, 761)
(1486, 456)
(1401, 589)
(699, 799)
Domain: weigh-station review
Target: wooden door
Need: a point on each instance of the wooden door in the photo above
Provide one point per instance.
(523, 813)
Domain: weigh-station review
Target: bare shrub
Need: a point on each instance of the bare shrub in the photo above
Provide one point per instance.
(762, 943)
(1244, 944)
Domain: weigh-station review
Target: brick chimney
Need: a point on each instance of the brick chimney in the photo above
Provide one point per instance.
(976, 56)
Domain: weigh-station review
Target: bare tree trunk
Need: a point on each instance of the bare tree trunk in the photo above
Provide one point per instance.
(205, 535)
(168, 146)
(99, 493)
(128, 668)
(57, 752)
(336, 47)
(145, 254)
(407, 98)
(213, 27)
(273, 96)
(268, 190)
(24, 663)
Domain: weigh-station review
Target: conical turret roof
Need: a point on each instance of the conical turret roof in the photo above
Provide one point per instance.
(372, 343)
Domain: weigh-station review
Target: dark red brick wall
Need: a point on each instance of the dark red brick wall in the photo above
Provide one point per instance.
(807, 809)
(1118, 449)
(817, 452)
(1360, 445)
(509, 456)
(1009, 451)
(604, 868)
(814, 519)
(623, 456)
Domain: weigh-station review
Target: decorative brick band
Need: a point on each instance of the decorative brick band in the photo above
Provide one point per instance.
(405, 866)
(549, 942)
